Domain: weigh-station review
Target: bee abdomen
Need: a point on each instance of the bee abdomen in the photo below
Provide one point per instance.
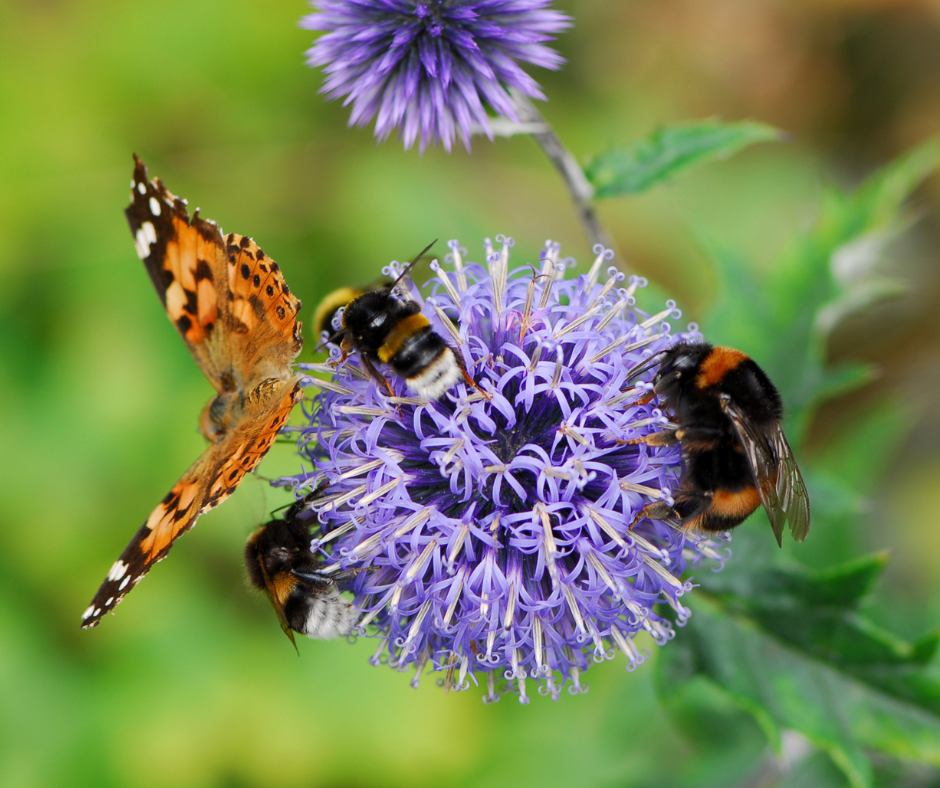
(724, 509)
(320, 614)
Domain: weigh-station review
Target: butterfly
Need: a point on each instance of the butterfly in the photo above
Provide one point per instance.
(237, 316)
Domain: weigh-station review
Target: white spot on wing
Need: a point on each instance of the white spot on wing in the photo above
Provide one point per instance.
(146, 236)
(124, 583)
(151, 232)
(141, 188)
(88, 612)
(118, 570)
(154, 206)
(108, 602)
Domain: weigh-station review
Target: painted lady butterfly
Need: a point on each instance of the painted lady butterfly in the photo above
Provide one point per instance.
(238, 318)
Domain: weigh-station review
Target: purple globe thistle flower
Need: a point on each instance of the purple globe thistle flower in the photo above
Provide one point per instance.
(431, 68)
(497, 531)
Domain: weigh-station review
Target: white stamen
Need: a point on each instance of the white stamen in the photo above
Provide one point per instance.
(603, 573)
(341, 531)
(369, 466)
(458, 543)
(617, 342)
(449, 325)
(416, 626)
(328, 385)
(548, 543)
(657, 317)
(335, 503)
(575, 610)
(578, 322)
(510, 606)
(537, 646)
(422, 559)
(413, 522)
(385, 488)
(452, 607)
(611, 314)
(559, 367)
(606, 527)
(444, 279)
(357, 410)
(642, 489)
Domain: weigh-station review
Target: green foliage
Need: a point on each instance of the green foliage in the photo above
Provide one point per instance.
(825, 275)
(793, 646)
(669, 152)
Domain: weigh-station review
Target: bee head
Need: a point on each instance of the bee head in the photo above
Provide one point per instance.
(678, 366)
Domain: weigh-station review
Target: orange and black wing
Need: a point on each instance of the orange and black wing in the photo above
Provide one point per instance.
(779, 481)
(208, 482)
(227, 299)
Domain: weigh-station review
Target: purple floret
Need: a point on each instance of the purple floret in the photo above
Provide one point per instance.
(497, 532)
(431, 69)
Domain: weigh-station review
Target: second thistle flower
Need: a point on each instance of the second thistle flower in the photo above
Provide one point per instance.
(431, 69)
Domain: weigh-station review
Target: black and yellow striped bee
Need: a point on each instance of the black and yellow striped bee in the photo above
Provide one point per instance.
(734, 453)
(388, 329)
(306, 599)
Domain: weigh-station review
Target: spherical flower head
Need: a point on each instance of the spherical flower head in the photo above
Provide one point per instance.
(496, 530)
(430, 69)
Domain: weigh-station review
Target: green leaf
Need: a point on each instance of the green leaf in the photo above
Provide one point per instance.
(825, 275)
(669, 152)
(791, 646)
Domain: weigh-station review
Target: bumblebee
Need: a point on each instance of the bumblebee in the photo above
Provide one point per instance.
(384, 328)
(735, 456)
(279, 562)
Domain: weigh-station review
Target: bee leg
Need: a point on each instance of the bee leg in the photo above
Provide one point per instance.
(376, 375)
(659, 510)
(463, 370)
(664, 438)
(347, 347)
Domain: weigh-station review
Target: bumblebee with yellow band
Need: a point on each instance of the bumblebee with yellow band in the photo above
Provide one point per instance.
(386, 329)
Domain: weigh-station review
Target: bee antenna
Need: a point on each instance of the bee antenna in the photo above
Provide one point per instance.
(330, 340)
(412, 264)
(644, 365)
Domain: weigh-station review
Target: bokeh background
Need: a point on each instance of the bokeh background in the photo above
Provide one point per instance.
(192, 684)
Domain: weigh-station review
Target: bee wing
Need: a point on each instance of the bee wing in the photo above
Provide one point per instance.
(276, 604)
(790, 488)
(779, 481)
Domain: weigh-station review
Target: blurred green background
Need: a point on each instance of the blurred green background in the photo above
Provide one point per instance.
(192, 684)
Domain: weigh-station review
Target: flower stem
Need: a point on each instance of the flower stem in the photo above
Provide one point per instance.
(578, 187)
